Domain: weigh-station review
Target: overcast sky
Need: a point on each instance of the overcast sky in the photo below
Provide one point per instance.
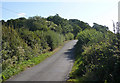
(90, 11)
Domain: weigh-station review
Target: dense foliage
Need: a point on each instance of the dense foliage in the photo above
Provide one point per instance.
(26, 42)
(24, 39)
(96, 57)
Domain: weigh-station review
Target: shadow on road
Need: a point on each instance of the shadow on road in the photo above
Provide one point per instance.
(70, 54)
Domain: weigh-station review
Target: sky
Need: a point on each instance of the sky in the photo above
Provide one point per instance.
(90, 11)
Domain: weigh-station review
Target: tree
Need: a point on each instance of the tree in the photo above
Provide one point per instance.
(101, 28)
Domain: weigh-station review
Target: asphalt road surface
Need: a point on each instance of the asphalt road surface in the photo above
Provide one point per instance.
(54, 68)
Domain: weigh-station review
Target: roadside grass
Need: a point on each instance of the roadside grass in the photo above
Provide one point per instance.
(17, 68)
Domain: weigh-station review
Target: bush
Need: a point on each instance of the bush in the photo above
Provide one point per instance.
(69, 36)
(95, 57)
(54, 39)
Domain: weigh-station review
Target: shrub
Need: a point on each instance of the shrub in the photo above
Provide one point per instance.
(69, 36)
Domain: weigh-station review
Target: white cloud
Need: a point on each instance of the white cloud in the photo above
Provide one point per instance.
(22, 15)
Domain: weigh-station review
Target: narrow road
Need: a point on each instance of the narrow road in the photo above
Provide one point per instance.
(54, 68)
